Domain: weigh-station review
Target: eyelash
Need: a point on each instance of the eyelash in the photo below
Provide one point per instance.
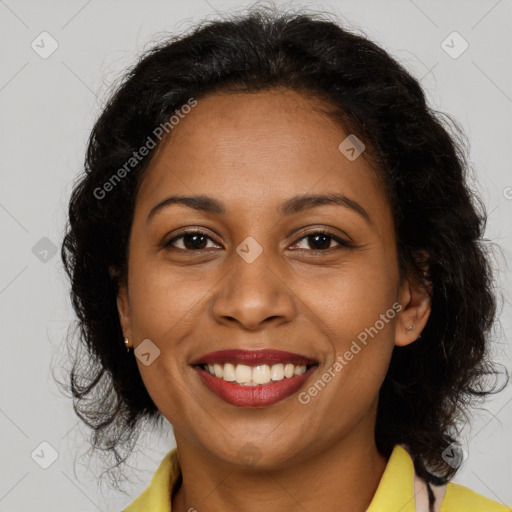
(343, 243)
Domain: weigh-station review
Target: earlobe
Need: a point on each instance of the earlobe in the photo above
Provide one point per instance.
(415, 299)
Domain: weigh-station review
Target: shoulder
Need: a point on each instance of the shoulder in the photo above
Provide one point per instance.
(459, 497)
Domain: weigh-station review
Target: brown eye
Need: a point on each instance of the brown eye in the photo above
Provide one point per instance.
(190, 241)
(320, 241)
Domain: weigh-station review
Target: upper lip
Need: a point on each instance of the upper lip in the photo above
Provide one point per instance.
(253, 357)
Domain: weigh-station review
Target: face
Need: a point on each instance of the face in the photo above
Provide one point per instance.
(269, 269)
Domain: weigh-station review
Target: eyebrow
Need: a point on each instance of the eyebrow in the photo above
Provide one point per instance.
(291, 206)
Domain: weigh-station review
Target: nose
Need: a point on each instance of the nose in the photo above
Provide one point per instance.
(253, 295)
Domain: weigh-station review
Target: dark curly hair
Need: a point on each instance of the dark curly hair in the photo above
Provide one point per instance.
(419, 155)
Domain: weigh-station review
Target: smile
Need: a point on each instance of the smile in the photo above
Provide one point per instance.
(254, 378)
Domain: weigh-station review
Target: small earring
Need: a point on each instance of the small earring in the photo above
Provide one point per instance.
(411, 328)
(126, 341)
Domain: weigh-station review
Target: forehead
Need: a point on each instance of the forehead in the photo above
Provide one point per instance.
(254, 148)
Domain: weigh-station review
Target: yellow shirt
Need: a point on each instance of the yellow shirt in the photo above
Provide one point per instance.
(399, 490)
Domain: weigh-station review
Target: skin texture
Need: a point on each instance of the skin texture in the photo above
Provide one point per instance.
(252, 152)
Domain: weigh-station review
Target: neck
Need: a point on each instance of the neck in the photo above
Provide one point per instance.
(343, 476)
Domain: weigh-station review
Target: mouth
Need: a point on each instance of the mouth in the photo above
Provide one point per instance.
(254, 378)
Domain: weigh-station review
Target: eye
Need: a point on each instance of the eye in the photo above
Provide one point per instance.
(190, 241)
(320, 241)
(316, 241)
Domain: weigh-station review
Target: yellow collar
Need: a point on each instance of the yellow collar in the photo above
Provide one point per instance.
(394, 492)
(396, 486)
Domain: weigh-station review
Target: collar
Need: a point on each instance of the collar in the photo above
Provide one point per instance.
(396, 487)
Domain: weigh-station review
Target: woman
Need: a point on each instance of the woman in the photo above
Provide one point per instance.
(279, 230)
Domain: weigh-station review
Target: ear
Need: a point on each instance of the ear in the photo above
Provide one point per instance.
(123, 306)
(415, 298)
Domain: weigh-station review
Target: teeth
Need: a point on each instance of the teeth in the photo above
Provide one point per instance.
(299, 370)
(288, 370)
(277, 372)
(243, 374)
(217, 370)
(229, 372)
(261, 374)
(253, 376)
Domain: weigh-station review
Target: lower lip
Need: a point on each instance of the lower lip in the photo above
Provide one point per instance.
(254, 396)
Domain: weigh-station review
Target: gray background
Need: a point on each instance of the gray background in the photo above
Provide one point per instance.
(48, 106)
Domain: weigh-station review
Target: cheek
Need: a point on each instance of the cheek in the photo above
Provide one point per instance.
(355, 309)
(351, 297)
(163, 305)
(163, 299)
(358, 320)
